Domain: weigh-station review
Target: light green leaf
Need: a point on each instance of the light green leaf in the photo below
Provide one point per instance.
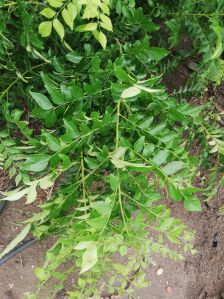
(106, 22)
(46, 182)
(83, 245)
(16, 194)
(42, 274)
(130, 92)
(32, 194)
(59, 28)
(119, 152)
(86, 27)
(102, 39)
(42, 100)
(52, 142)
(72, 9)
(19, 238)
(48, 12)
(139, 144)
(36, 163)
(102, 207)
(161, 157)
(55, 3)
(89, 258)
(173, 167)
(67, 18)
(74, 57)
(147, 89)
(45, 28)
(114, 182)
(192, 204)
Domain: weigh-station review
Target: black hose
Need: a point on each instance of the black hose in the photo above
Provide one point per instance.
(17, 250)
(2, 205)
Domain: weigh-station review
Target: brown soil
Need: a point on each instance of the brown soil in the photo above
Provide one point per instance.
(198, 277)
(17, 275)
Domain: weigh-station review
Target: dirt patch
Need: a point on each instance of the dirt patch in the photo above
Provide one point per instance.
(17, 275)
(207, 267)
(198, 277)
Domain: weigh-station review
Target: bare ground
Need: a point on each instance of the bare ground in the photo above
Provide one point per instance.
(198, 277)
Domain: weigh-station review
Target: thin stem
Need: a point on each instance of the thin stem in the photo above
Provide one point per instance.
(83, 180)
(118, 123)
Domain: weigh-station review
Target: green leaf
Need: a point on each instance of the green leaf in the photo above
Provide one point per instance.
(32, 194)
(52, 88)
(46, 182)
(102, 207)
(42, 100)
(161, 157)
(71, 131)
(114, 182)
(148, 149)
(89, 258)
(66, 161)
(36, 163)
(174, 193)
(123, 76)
(86, 27)
(59, 28)
(83, 245)
(139, 144)
(106, 22)
(16, 194)
(102, 39)
(192, 204)
(48, 12)
(42, 274)
(173, 167)
(91, 162)
(52, 142)
(119, 152)
(74, 57)
(145, 124)
(130, 92)
(45, 28)
(55, 3)
(157, 53)
(72, 9)
(19, 238)
(67, 18)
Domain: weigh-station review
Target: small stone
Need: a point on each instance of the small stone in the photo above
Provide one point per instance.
(11, 285)
(159, 271)
(169, 290)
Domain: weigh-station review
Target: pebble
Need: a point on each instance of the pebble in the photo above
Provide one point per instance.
(159, 271)
(169, 290)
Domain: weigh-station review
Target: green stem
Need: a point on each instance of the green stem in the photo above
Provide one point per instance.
(83, 180)
(118, 123)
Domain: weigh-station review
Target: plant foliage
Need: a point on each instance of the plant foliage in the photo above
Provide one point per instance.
(85, 115)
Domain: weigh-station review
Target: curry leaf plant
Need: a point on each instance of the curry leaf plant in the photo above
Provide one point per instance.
(90, 121)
